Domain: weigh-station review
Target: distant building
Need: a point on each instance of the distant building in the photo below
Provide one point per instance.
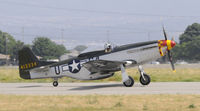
(53, 60)
(4, 58)
(39, 57)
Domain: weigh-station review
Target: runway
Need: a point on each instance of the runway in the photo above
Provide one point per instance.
(99, 88)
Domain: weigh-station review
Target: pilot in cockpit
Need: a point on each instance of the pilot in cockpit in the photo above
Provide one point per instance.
(108, 47)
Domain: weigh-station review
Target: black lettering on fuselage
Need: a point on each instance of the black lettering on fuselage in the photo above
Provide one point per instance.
(93, 58)
(90, 59)
(57, 70)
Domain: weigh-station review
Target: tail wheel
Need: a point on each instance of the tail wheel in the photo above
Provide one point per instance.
(55, 83)
(129, 82)
(146, 81)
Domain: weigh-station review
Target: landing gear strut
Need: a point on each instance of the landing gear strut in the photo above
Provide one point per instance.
(55, 82)
(128, 81)
(144, 78)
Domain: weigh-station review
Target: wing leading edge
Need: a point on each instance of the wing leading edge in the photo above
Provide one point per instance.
(103, 66)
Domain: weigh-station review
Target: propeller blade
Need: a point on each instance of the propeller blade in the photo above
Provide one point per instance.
(168, 51)
(164, 32)
(171, 60)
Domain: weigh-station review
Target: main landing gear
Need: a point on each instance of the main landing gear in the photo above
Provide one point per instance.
(55, 82)
(144, 78)
(128, 81)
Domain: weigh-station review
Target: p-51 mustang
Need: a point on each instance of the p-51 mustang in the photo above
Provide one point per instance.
(98, 64)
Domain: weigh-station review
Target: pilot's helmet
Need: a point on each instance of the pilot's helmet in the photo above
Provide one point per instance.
(108, 47)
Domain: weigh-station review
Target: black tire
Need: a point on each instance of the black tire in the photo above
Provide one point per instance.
(129, 83)
(55, 83)
(146, 81)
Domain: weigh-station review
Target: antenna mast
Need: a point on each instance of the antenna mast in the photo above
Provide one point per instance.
(108, 35)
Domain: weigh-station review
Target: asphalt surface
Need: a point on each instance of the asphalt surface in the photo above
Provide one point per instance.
(99, 88)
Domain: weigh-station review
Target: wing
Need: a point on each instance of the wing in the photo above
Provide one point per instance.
(103, 66)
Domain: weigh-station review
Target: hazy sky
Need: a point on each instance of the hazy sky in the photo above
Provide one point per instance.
(90, 22)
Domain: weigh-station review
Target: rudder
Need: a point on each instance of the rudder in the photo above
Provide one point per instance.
(27, 61)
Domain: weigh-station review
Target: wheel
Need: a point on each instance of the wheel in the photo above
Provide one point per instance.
(129, 82)
(146, 81)
(55, 83)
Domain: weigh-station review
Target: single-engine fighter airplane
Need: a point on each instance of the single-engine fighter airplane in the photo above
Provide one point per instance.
(98, 64)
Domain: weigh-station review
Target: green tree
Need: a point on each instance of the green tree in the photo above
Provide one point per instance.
(8, 45)
(189, 47)
(44, 47)
(80, 48)
(18, 45)
(191, 32)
